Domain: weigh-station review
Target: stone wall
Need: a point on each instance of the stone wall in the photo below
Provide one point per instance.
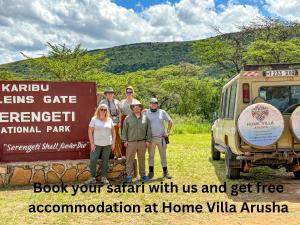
(51, 172)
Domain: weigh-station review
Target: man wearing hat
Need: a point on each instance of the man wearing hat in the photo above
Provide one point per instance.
(157, 118)
(115, 114)
(136, 135)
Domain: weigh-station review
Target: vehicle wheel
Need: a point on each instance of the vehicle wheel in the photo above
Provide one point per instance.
(297, 174)
(231, 173)
(215, 154)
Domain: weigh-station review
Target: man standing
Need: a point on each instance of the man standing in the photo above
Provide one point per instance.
(157, 118)
(136, 135)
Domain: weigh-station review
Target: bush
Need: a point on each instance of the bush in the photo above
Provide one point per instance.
(189, 124)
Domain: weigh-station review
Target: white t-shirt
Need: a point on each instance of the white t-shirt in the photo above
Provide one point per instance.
(102, 131)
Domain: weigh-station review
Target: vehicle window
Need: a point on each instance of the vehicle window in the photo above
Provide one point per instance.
(221, 106)
(224, 103)
(284, 98)
(295, 95)
(228, 103)
(232, 101)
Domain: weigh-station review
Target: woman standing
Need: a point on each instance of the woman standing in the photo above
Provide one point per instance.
(115, 113)
(102, 139)
(125, 108)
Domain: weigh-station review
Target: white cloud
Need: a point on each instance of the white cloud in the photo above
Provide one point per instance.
(41, 11)
(195, 19)
(236, 15)
(27, 25)
(288, 9)
(195, 11)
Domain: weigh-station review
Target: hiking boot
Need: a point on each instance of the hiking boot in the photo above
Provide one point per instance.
(104, 180)
(167, 175)
(150, 175)
(92, 180)
(129, 180)
(145, 178)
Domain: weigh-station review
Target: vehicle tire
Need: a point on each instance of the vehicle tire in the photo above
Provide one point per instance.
(215, 154)
(231, 173)
(260, 136)
(297, 174)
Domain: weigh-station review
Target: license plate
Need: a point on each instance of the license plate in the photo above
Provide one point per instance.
(280, 73)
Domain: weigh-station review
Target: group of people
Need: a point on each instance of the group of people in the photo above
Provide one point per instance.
(126, 129)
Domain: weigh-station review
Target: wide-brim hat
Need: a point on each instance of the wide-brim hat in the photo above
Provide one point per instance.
(129, 87)
(135, 103)
(109, 90)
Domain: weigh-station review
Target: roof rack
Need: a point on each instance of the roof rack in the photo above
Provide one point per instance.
(272, 66)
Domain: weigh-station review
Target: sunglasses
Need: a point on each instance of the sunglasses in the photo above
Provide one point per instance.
(137, 106)
(103, 110)
(129, 92)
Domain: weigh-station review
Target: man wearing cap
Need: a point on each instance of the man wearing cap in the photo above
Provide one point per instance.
(157, 117)
(136, 135)
(115, 114)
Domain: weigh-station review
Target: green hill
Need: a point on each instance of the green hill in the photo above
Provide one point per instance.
(145, 56)
(133, 57)
(154, 55)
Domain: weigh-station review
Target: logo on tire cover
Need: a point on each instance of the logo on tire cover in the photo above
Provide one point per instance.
(260, 112)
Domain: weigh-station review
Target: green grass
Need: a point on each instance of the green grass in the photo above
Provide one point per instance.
(190, 124)
(189, 162)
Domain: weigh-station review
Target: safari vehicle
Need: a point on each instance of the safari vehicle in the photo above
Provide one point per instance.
(258, 123)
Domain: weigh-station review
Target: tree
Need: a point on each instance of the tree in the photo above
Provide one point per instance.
(5, 75)
(62, 63)
(217, 51)
(271, 29)
(275, 41)
(263, 52)
(228, 51)
(179, 89)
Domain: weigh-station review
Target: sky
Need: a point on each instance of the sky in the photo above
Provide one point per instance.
(27, 25)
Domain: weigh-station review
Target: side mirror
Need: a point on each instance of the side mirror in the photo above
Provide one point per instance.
(215, 116)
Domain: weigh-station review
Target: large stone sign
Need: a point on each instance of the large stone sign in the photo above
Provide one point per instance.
(260, 125)
(45, 120)
(52, 172)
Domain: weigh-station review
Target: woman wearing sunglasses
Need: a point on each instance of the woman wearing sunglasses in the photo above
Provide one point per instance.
(102, 138)
(125, 108)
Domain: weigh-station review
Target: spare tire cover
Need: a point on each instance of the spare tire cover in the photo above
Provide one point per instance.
(295, 123)
(260, 125)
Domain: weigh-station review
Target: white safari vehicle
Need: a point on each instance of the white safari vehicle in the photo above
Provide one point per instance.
(258, 122)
